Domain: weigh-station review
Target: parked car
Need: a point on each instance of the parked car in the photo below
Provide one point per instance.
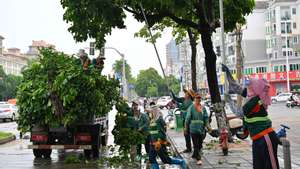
(8, 112)
(163, 101)
(282, 97)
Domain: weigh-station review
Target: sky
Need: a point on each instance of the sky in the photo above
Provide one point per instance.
(25, 20)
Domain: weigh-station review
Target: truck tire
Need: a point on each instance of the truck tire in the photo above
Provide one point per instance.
(87, 153)
(95, 150)
(104, 140)
(37, 153)
(47, 153)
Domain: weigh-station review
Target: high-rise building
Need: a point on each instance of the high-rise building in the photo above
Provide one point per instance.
(172, 57)
(1, 45)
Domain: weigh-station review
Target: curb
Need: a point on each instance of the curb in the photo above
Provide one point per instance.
(174, 147)
(8, 139)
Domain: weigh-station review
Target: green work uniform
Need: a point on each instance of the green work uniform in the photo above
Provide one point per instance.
(196, 121)
(256, 117)
(183, 105)
(131, 122)
(143, 124)
(157, 130)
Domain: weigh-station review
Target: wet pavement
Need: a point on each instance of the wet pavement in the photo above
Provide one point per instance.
(15, 155)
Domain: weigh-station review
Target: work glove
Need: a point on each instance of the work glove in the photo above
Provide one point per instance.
(157, 145)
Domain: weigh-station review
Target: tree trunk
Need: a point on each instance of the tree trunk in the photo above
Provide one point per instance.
(193, 45)
(239, 60)
(210, 62)
(211, 70)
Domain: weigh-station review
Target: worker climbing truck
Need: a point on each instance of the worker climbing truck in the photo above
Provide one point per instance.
(65, 106)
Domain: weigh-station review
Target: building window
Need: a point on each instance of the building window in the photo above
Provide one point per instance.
(294, 67)
(286, 27)
(295, 40)
(276, 68)
(270, 55)
(294, 11)
(296, 54)
(295, 25)
(284, 53)
(261, 69)
(275, 55)
(285, 13)
(290, 53)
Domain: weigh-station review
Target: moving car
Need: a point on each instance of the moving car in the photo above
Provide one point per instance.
(8, 112)
(282, 97)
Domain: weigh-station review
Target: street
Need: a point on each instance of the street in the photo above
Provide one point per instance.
(15, 155)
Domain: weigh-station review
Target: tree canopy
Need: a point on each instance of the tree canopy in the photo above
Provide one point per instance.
(118, 68)
(149, 83)
(8, 85)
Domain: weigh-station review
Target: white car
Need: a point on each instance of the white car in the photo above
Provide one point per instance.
(163, 101)
(282, 97)
(8, 111)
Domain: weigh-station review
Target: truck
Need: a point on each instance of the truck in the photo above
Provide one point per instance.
(88, 136)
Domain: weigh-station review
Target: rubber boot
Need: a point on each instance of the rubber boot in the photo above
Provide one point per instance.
(154, 166)
(181, 162)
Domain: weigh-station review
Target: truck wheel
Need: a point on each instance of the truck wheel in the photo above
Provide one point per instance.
(104, 140)
(95, 150)
(47, 153)
(87, 153)
(37, 153)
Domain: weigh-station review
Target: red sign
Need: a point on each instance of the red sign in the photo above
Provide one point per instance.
(277, 76)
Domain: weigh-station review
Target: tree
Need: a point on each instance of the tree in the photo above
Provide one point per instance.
(118, 68)
(174, 84)
(152, 91)
(201, 15)
(180, 34)
(92, 19)
(8, 85)
(147, 79)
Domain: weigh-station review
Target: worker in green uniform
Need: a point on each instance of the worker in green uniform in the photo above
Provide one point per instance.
(142, 122)
(158, 140)
(257, 121)
(183, 105)
(197, 121)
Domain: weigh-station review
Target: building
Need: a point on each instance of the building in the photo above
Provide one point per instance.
(282, 22)
(1, 45)
(172, 58)
(271, 27)
(33, 51)
(185, 63)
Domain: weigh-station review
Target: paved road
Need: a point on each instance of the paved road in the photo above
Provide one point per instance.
(15, 155)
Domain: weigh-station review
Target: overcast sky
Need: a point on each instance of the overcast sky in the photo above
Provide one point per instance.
(25, 20)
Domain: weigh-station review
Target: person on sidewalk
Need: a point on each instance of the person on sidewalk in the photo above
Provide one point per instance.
(183, 105)
(158, 141)
(257, 121)
(196, 121)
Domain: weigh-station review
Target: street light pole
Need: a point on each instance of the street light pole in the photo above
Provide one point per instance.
(287, 58)
(223, 42)
(124, 81)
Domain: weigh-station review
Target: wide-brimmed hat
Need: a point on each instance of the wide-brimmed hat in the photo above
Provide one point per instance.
(190, 92)
(135, 102)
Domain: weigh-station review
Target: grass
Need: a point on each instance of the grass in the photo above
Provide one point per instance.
(4, 135)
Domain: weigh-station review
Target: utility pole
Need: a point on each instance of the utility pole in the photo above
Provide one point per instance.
(239, 59)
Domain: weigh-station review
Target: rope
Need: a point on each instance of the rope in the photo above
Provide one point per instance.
(154, 45)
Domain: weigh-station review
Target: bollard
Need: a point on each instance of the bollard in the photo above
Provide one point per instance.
(286, 152)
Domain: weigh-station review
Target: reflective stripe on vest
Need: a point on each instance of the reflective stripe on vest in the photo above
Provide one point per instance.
(256, 119)
(197, 122)
(153, 124)
(154, 132)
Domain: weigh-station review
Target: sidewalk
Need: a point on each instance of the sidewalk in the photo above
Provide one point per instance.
(239, 156)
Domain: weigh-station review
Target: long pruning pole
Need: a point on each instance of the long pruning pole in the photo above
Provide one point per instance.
(153, 43)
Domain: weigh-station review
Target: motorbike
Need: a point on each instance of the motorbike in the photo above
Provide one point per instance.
(293, 103)
(235, 124)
